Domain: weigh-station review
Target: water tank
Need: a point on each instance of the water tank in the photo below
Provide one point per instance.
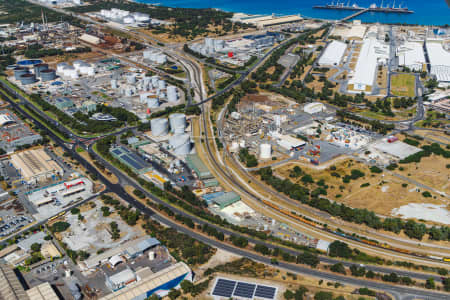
(153, 101)
(114, 84)
(172, 94)
(265, 151)
(38, 68)
(19, 71)
(162, 84)
(180, 143)
(48, 75)
(131, 78)
(27, 78)
(159, 126)
(177, 123)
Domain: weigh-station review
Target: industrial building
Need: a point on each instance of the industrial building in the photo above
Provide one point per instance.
(159, 283)
(372, 54)
(410, 55)
(131, 160)
(42, 292)
(439, 60)
(333, 54)
(225, 199)
(396, 149)
(35, 165)
(63, 103)
(288, 142)
(314, 107)
(14, 132)
(129, 250)
(196, 164)
(261, 21)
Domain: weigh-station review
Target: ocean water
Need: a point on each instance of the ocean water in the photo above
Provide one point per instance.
(426, 12)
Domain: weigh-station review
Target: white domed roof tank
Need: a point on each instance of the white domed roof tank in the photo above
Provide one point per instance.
(172, 94)
(234, 147)
(140, 17)
(265, 151)
(114, 84)
(242, 143)
(162, 84)
(177, 123)
(61, 66)
(152, 102)
(159, 126)
(131, 78)
(78, 63)
(180, 143)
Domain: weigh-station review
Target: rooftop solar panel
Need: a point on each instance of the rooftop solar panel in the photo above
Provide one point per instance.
(132, 162)
(266, 292)
(224, 288)
(117, 151)
(244, 290)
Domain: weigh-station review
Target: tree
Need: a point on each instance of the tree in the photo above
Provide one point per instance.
(340, 249)
(308, 258)
(75, 211)
(174, 294)
(187, 286)
(429, 284)
(36, 247)
(338, 268)
(446, 283)
(323, 296)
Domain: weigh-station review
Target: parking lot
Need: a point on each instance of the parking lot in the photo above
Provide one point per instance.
(13, 218)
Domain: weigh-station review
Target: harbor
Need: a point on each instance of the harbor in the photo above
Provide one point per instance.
(372, 8)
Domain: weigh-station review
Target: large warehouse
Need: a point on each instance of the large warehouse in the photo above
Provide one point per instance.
(439, 60)
(333, 54)
(35, 165)
(14, 132)
(373, 53)
(159, 283)
(410, 55)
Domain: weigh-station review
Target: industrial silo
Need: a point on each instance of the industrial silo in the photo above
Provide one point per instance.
(61, 66)
(155, 80)
(265, 151)
(177, 123)
(172, 94)
(180, 143)
(19, 71)
(114, 84)
(48, 75)
(131, 78)
(159, 126)
(152, 101)
(27, 78)
(39, 68)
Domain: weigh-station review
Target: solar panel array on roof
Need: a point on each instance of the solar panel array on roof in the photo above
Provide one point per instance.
(244, 289)
(267, 292)
(132, 162)
(117, 151)
(224, 288)
(229, 288)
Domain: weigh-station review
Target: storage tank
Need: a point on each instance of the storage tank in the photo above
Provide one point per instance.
(155, 80)
(265, 151)
(172, 94)
(27, 78)
(19, 71)
(38, 68)
(144, 96)
(128, 20)
(162, 84)
(140, 17)
(77, 64)
(159, 126)
(180, 143)
(234, 147)
(131, 78)
(48, 75)
(242, 143)
(61, 66)
(177, 123)
(114, 84)
(153, 101)
(151, 255)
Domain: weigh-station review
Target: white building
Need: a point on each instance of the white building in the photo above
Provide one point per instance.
(372, 54)
(411, 55)
(439, 60)
(313, 108)
(333, 54)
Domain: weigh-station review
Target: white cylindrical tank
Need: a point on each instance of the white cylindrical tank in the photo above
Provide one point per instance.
(152, 102)
(131, 78)
(162, 84)
(242, 143)
(177, 123)
(159, 126)
(61, 66)
(77, 64)
(234, 147)
(180, 143)
(68, 272)
(151, 255)
(265, 151)
(172, 93)
(155, 80)
(114, 84)
(128, 20)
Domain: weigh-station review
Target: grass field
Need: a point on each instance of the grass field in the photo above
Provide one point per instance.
(403, 85)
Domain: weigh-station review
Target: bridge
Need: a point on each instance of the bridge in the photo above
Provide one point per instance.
(359, 12)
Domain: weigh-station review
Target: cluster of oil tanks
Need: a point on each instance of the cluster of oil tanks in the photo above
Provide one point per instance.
(179, 142)
(41, 71)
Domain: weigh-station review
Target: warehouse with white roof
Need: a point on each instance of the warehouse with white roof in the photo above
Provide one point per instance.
(439, 60)
(411, 55)
(373, 53)
(333, 54)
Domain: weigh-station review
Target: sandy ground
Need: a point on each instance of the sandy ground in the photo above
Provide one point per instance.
(219, 258)
(110, 176)
(384, 193)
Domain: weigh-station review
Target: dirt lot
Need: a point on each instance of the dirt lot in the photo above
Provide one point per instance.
(385, 191)
(110, 176)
